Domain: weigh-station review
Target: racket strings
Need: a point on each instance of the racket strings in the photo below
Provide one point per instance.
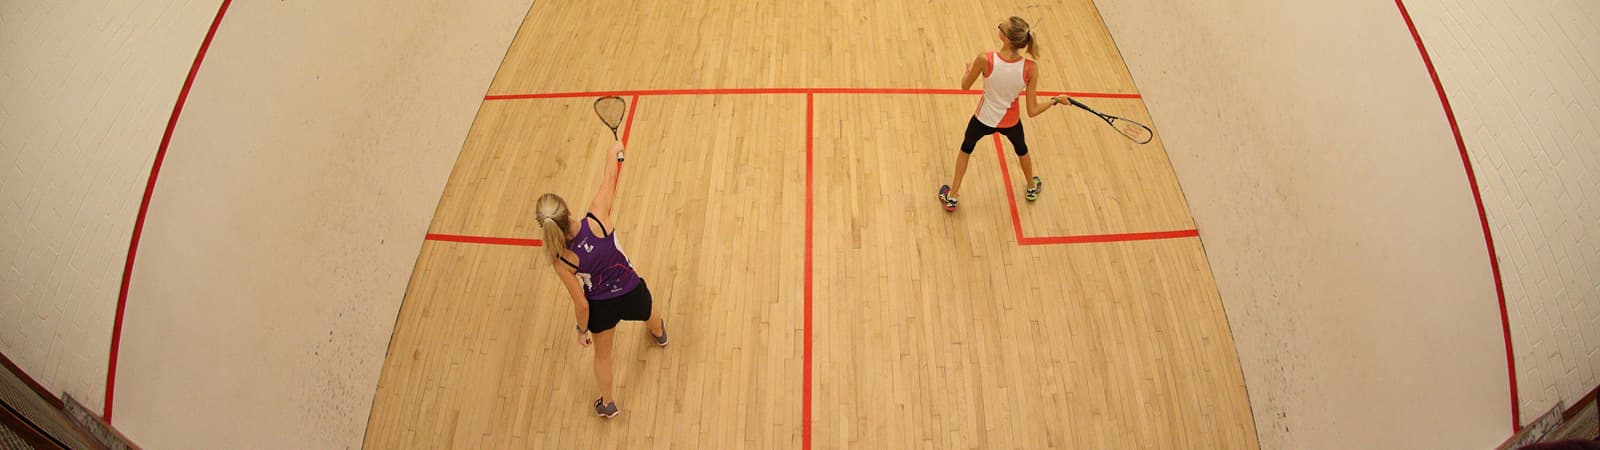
(611, 110)
(1133, 130)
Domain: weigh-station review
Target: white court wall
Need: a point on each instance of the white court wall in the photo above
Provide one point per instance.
(1524, 81)
(85, 92)
(1336, 215)
(299, 185)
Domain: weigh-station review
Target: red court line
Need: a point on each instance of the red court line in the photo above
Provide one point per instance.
(1044, 240)
(808, 91)
(1011, 196)
(483, 240)
(805, 423)
(144, 207)
(1083, 239)
(1483, 217)
(627, 129)
(961, 92)
(1016, 221)
(723, 91)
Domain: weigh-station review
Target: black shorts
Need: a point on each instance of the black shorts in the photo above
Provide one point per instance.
(634, 305)
(977, 130)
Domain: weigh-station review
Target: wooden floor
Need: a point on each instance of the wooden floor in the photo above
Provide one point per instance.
(746, 209)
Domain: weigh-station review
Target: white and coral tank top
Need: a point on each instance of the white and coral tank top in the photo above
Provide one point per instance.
(1005, 81)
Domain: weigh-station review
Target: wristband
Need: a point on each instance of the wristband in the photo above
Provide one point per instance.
(580, 329)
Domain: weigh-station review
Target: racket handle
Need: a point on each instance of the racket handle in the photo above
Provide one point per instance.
(1076, 103)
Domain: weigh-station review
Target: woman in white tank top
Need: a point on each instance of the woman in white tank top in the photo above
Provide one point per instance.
(1006, 76)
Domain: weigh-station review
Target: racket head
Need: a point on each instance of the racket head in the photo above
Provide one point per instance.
(1135, 131)
(611, 109)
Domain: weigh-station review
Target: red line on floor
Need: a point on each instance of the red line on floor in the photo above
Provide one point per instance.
(483, 240)
(1044, 240)
(627, 130)
(808, 91)
(723, 91)
(1483, 216)
(1011, 197)
(1120, 237)
(144, 207)
(1016, 220)
(805, 424)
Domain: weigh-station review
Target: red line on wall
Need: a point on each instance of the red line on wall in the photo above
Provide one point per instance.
(1483, 216)
(144, 207)
(808, 91)
(805, 418)
(483, 240)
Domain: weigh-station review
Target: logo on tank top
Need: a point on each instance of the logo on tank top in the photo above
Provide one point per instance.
(586, 280)
(586, 246)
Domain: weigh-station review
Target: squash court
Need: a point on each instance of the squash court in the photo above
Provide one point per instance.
(779, 197)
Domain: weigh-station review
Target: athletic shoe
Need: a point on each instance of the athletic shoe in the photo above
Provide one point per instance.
(1033, 192)
(944, 197)
(607, 410)
(661, 341)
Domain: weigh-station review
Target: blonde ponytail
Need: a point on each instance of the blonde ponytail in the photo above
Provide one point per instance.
(1021, 37)
(1033, 46)
(552, 215)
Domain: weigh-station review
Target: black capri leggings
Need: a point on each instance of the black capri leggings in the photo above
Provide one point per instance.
(977, 130)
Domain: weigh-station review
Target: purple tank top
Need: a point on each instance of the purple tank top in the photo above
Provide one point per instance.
(603, 270)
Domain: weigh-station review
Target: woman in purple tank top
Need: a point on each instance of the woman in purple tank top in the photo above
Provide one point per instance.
(604, 287)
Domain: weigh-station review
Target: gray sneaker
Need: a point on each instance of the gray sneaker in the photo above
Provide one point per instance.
(1033, 192)
(661, 341)
(606, 410)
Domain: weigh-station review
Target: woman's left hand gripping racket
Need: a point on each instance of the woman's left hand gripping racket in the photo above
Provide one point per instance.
(1135, 131)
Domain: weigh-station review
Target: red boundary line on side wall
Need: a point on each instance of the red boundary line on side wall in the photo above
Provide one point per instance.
(809, 91)
(1483, 217)
(144, 207)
